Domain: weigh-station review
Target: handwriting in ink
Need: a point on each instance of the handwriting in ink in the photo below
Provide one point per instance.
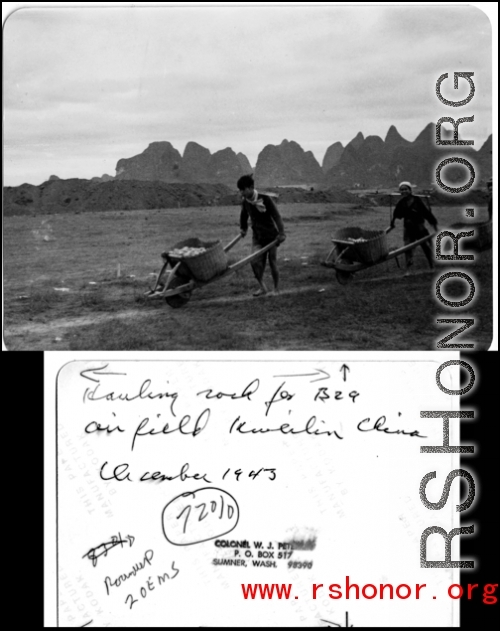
(121, 473)
(97, 393)
(108, 582)
(319, 371)
(204, 511)
(182, 427)
(150, 584)
(246, 393)
(182, 476)
(199, 516)
(378, 426)
(94, 426)
(284, 428)
(345, 369)
(335, 624)
(94, 553)
(252, 474)
(279, 395)
(323, 395)
(99, 372)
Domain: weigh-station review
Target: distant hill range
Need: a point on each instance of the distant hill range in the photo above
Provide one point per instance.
(369, 162)
(375, 163)
(161, 162)
(285, 165)
(160, 177)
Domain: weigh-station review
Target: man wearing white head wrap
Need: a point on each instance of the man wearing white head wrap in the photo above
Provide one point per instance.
(414, 212)
(407, 184)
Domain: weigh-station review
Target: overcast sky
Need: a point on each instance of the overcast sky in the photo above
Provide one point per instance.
(86, 87)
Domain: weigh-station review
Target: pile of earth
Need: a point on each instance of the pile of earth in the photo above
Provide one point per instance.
(78, 195)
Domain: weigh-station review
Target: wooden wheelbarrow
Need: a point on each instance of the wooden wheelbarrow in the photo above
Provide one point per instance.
(339, 259)
(180, 282)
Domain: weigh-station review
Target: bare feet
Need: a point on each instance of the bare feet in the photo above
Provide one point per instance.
(260, 292)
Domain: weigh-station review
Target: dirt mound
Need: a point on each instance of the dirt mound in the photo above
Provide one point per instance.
(75, 195)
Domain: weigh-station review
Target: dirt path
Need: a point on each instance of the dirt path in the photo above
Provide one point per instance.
(57, 327)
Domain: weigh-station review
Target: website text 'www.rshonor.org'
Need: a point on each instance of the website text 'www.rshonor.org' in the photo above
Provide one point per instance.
(385, 591)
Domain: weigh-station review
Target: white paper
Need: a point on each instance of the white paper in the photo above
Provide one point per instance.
(339, 502)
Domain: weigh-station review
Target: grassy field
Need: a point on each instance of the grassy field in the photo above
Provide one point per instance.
(62, 289)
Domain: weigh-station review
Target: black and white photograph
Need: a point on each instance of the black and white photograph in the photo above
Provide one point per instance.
(252, 249)
(247, 177)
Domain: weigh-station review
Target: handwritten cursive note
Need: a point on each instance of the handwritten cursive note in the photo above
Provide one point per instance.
(102, 549)
(239, 473)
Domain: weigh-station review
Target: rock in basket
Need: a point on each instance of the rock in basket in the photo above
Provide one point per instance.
(207, 264)
(368, 246)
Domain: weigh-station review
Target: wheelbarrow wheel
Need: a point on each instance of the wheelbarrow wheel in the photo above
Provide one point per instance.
(179, 300)
(343, 277)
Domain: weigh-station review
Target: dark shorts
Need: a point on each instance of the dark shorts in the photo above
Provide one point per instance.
(414, 231)
(260, 261)
(262, 240)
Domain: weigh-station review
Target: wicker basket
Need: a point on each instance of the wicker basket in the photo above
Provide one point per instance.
(206, 265)
(372, 250)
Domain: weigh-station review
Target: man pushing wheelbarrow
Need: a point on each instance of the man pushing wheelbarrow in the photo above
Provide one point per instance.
(194, 263)
(267, 226)
(356, 249)
(414, 213)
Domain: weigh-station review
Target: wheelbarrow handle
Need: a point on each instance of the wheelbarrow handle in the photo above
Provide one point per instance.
(251, 257)
(157, 282)
(343, 242)
(233, 243)
(171, 275)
